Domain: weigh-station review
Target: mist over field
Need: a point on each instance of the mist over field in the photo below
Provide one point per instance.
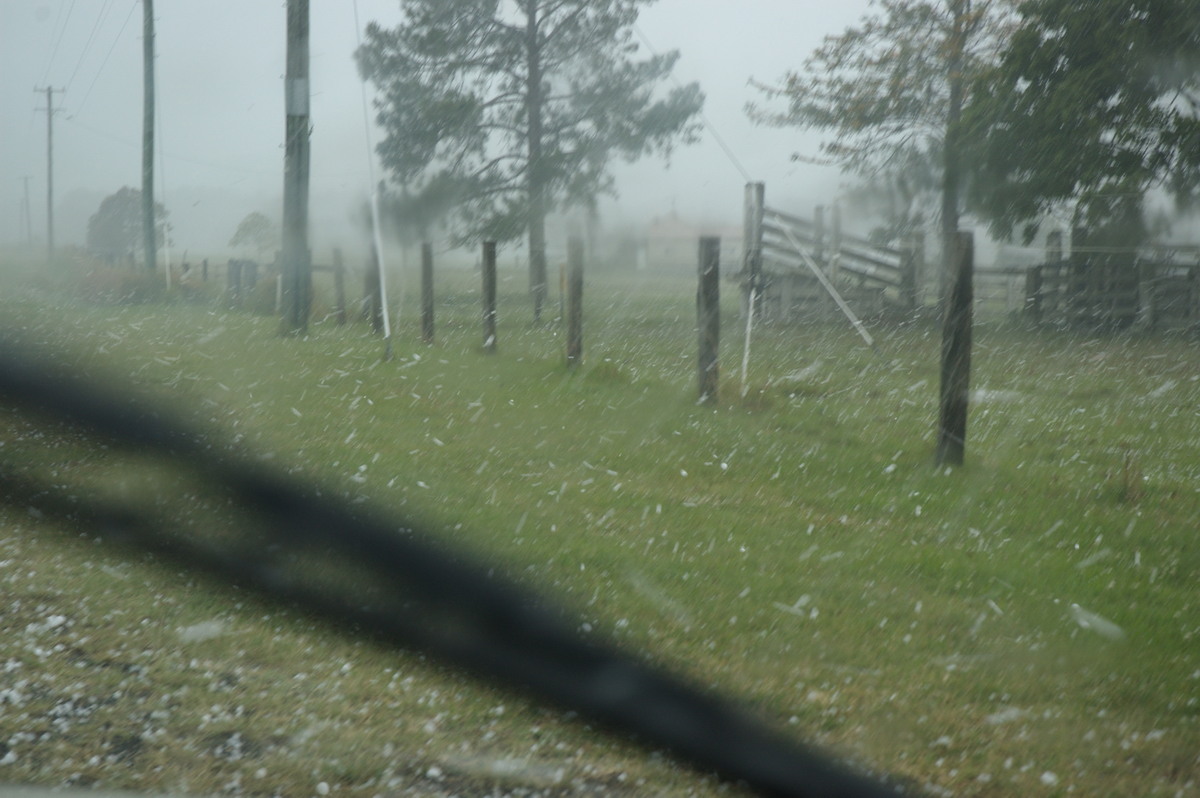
(575, 398)
(220, 114)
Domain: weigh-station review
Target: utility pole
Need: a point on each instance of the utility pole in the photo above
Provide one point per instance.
(28, 213)
(149, 239)
(297, 268)
(50, 111)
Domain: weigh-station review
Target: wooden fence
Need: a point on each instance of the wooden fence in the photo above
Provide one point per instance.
(1103, 293)
(782, 252)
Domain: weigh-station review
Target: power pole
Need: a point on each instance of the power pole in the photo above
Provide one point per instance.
(297, 268)
(149, 239)
(28, 213)
(50, 111)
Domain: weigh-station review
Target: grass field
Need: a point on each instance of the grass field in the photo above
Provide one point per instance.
(1025, 625)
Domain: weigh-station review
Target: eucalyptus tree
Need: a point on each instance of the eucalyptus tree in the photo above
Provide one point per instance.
(890, 91)
(517, 108)
(114, 231)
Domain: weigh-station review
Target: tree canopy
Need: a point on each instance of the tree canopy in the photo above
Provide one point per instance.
(882, 87)
(517, 107)
(890, 93)
(115, 229)
(257, 232)
(1092, 104)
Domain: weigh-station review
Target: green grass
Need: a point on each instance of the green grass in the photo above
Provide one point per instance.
(794, 547)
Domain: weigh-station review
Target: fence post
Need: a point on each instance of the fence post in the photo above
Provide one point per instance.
(427, 292)
(1054, 246)
(204, 270)
(956, 355)
(752, 244)
(1035, 278)
(912, 269)
(708, 301)
(489, 296)
(1033, 293)
(233, 279)
(574, 302)
(1148, 305)
(1077, 295)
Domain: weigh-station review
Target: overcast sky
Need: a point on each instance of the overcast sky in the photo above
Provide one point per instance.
(220, 96)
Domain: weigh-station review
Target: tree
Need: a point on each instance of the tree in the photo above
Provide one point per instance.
(517, 107)
(115, 229)
(1094, 105)
(902, 195)
(892, 89)
(257, 232)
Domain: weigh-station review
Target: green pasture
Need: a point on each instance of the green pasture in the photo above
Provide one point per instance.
(1025, 625)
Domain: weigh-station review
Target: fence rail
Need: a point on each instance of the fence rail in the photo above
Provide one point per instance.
(1108, 293)
(781, 249)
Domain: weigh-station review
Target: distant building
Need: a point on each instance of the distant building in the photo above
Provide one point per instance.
(673, 244)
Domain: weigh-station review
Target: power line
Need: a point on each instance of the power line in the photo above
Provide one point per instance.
(74, 120)
(708, 125)
(58, 39)
(104, 63)
(104, 10)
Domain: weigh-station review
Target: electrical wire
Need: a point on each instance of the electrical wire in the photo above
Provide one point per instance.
(100, 18)
(108, 55)
(58, 40)
(712, 129)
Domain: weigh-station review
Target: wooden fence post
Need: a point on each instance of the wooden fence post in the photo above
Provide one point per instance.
(233, 279)
(1147, 290)
(1035, 282)
(912, 270)
(489, 297)
(204, 270)
(1033, 292)
(708, 301)
(574, 302)
(752, 244)
(1054, 246)
(956, 355)
(1077, 294)
(339, 287)
(427, 292)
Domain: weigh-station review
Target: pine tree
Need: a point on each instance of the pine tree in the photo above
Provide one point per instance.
(517, 108)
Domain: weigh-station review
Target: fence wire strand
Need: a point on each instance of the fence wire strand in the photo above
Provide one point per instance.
(386, 578)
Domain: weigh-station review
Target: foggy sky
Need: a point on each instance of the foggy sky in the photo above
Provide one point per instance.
(219, 75)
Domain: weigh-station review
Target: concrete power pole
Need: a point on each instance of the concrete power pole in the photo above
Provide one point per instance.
(49, 169)
(149, 239)
(297, 266)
